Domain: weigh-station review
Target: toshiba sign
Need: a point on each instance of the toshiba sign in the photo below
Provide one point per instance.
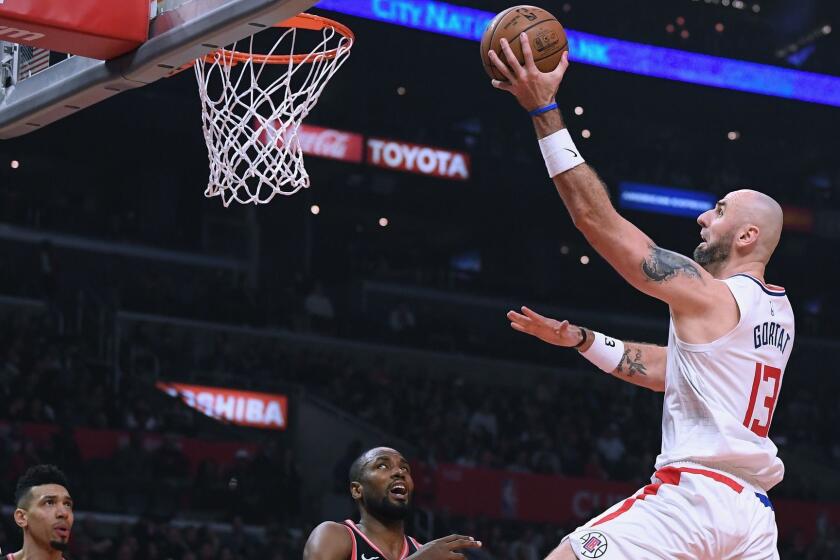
(413, 158)
(243, 408)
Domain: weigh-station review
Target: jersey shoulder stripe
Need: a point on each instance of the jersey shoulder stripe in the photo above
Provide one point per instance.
(768, 289)
(353, 553)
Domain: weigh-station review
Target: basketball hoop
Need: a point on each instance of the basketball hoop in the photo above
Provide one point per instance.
(251, 118)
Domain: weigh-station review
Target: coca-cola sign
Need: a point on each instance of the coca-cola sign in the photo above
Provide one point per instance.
(331, 143)
(425, 160)
(348, 146)
(317, 141)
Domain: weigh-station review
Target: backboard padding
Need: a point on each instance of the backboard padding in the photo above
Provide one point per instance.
(177, 37)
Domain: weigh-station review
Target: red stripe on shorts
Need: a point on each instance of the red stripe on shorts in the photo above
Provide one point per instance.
(668, 475)
(711, 474)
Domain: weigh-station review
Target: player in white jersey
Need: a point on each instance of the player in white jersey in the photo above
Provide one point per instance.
(730, 339)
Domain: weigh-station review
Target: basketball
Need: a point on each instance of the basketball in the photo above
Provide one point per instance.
(546, 35)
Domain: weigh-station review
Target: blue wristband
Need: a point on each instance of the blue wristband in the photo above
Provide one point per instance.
(542, 110)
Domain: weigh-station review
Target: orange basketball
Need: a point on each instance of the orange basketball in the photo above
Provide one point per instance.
(547, 38)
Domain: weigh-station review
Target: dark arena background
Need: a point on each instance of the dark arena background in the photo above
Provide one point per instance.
(369, 309)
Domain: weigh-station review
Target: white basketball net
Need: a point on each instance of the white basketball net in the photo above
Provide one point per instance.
(251, 128)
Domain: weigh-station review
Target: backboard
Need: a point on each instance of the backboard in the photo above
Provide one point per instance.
(182, 31)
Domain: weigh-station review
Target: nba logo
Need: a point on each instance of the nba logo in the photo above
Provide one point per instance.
(529, 15)
(546, 40)
(593, 545)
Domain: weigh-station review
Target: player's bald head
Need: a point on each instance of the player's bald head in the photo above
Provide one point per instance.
(754, 208)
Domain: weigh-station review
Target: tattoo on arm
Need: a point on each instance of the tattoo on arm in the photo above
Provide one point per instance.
(663, 265)
(631, 366)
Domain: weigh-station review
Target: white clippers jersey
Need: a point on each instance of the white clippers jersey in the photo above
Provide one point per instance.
(720, 396)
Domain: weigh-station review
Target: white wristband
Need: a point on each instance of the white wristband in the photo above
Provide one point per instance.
(605, 352)
(559, 152)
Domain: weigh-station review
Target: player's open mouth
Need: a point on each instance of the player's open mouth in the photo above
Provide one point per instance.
(63, 532)
(398, 491)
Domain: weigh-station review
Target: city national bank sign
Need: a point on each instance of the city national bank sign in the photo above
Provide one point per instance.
(386, 153)
(425, 15)
(242, 408)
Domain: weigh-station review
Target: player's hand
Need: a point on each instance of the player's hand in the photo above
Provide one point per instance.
(531, 87)
(445, 548)
(559, 333)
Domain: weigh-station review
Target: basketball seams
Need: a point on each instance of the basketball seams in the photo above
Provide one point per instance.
(499, 19)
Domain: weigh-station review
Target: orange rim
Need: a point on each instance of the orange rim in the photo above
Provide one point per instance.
(300, 21)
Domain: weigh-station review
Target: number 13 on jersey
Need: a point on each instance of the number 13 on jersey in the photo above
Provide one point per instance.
(767, 380)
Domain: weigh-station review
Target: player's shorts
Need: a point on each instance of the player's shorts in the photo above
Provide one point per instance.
(687, 512)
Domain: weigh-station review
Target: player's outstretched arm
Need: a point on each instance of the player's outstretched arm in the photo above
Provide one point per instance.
(668, 276)
(640, 364)
(328, 541)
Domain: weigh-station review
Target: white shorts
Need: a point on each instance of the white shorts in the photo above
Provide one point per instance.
(687, 512)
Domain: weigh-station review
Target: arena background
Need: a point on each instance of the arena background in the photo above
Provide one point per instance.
(118, 279)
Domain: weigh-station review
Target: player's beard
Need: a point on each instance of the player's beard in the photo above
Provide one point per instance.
(385, 509)
(713, 253)
(60, 545)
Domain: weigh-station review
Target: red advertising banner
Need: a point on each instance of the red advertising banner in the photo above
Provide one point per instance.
(524, 496)
(555, 499)
(102, 444)
(331, 143)
(413, 158)
(243, 408)
(390, 154)
(317, 141)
